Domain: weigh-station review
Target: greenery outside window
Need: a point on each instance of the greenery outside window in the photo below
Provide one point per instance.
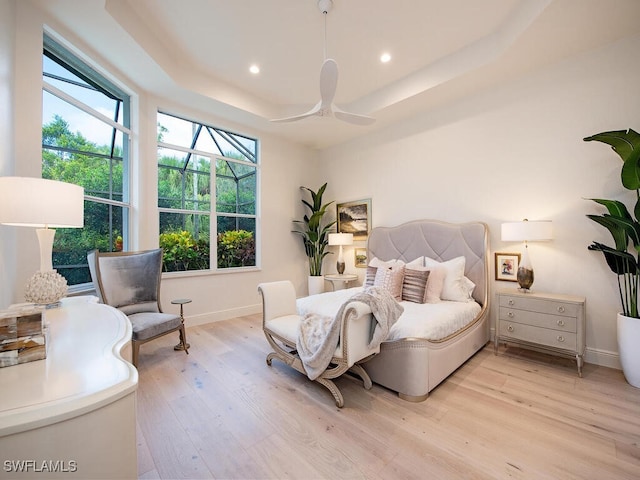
(191, 193)
(85, 141)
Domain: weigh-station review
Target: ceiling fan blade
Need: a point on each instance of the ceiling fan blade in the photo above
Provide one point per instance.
(354, 118)
(328, 82)
(316, 110)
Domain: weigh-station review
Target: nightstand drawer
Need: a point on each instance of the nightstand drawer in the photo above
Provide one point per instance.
(542, 336)
(533, 318)
(540, 305)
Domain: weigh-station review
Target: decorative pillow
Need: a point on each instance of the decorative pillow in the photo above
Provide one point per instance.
(376, 262)
(454, 287)
(435, 283)
(467, 289)
(370, 276)
(373, 266)
(414, 284)
(390, 278)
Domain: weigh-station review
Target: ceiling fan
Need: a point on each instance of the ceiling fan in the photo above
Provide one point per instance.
(328, 84)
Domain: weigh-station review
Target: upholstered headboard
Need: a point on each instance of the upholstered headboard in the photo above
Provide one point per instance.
(438, 240)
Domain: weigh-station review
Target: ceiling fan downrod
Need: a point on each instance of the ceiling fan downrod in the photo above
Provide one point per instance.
(325, 7)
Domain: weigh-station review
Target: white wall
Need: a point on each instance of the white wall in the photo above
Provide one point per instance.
(284, 167)
(510, 153)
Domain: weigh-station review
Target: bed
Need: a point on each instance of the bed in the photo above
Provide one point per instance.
(412, 362)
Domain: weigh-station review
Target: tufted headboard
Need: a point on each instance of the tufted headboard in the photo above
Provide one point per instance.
(438, 240)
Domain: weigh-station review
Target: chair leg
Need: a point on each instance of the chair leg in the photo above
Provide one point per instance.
(362, 373)
(337, 396)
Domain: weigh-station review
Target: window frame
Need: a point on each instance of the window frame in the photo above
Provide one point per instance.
(70, 61)
(213, 211)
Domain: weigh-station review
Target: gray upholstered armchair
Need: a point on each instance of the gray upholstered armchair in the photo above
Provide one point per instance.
(130, 282)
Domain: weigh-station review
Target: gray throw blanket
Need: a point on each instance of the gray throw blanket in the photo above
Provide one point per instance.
(318, 335)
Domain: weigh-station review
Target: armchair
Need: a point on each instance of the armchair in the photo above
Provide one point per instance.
(280, 324)
(130, 282)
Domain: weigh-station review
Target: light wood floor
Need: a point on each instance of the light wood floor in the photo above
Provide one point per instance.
(221, 412)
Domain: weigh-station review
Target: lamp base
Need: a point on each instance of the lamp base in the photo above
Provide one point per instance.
(525, 278)
(340, 267)
(45, 288)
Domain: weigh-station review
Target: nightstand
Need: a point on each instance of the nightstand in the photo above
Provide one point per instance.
(543, 321)
(345, 278)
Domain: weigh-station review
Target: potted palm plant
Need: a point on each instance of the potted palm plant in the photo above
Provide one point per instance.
(623, 258)
(315, 236)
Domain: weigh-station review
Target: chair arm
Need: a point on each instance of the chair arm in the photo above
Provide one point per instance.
(358, 324)
(278, 299)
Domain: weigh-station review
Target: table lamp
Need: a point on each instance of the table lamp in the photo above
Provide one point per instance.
(340, 239)
(526, 231)
(42, 203)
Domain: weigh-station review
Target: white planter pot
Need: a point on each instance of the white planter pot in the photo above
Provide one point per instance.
(316, 285)
(629, 347)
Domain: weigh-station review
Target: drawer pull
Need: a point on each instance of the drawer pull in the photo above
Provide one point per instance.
(510, 315)
(560, 323)
(561, 309)
(560, 338)
(511, 302)
(510, 328)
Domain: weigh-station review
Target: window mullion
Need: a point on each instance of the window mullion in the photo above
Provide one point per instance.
(85, 108)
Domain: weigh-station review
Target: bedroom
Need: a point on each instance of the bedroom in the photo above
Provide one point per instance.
(515, 150)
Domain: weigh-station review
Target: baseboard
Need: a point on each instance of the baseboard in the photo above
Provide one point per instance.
(203, 318)
(603, 358)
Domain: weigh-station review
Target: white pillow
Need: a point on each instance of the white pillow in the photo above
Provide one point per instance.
(376, 262)
(467, 289)
(455, 288)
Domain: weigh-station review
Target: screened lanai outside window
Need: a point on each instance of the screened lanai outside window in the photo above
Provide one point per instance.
(198, 162)
(85, 141)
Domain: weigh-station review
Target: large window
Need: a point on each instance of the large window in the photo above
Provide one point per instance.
(85, 141)
(207, 196)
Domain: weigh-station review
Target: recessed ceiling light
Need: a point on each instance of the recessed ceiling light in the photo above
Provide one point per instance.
(385, 57)
(255, 69)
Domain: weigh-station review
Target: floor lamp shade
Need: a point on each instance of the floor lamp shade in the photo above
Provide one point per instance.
(340, 239)
(43, 204)
(526, 231)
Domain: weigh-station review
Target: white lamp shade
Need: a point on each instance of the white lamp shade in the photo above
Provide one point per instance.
(38, 202)
(527, 231)
(340, 239)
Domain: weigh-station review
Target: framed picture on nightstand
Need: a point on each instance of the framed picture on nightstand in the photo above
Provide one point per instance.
(361, 257)
(507, 266)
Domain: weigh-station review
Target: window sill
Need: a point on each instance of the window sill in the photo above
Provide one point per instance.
(202, 273)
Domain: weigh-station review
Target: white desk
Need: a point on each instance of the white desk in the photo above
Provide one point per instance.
(73, 413)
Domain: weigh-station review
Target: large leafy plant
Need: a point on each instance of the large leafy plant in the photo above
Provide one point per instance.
(312, 230)
(623, 226)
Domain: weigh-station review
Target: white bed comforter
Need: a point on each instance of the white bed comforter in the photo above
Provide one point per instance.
(433, 321)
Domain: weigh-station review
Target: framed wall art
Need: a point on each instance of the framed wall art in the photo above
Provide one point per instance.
(355, 218)
(360, 257)
(507, 266)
